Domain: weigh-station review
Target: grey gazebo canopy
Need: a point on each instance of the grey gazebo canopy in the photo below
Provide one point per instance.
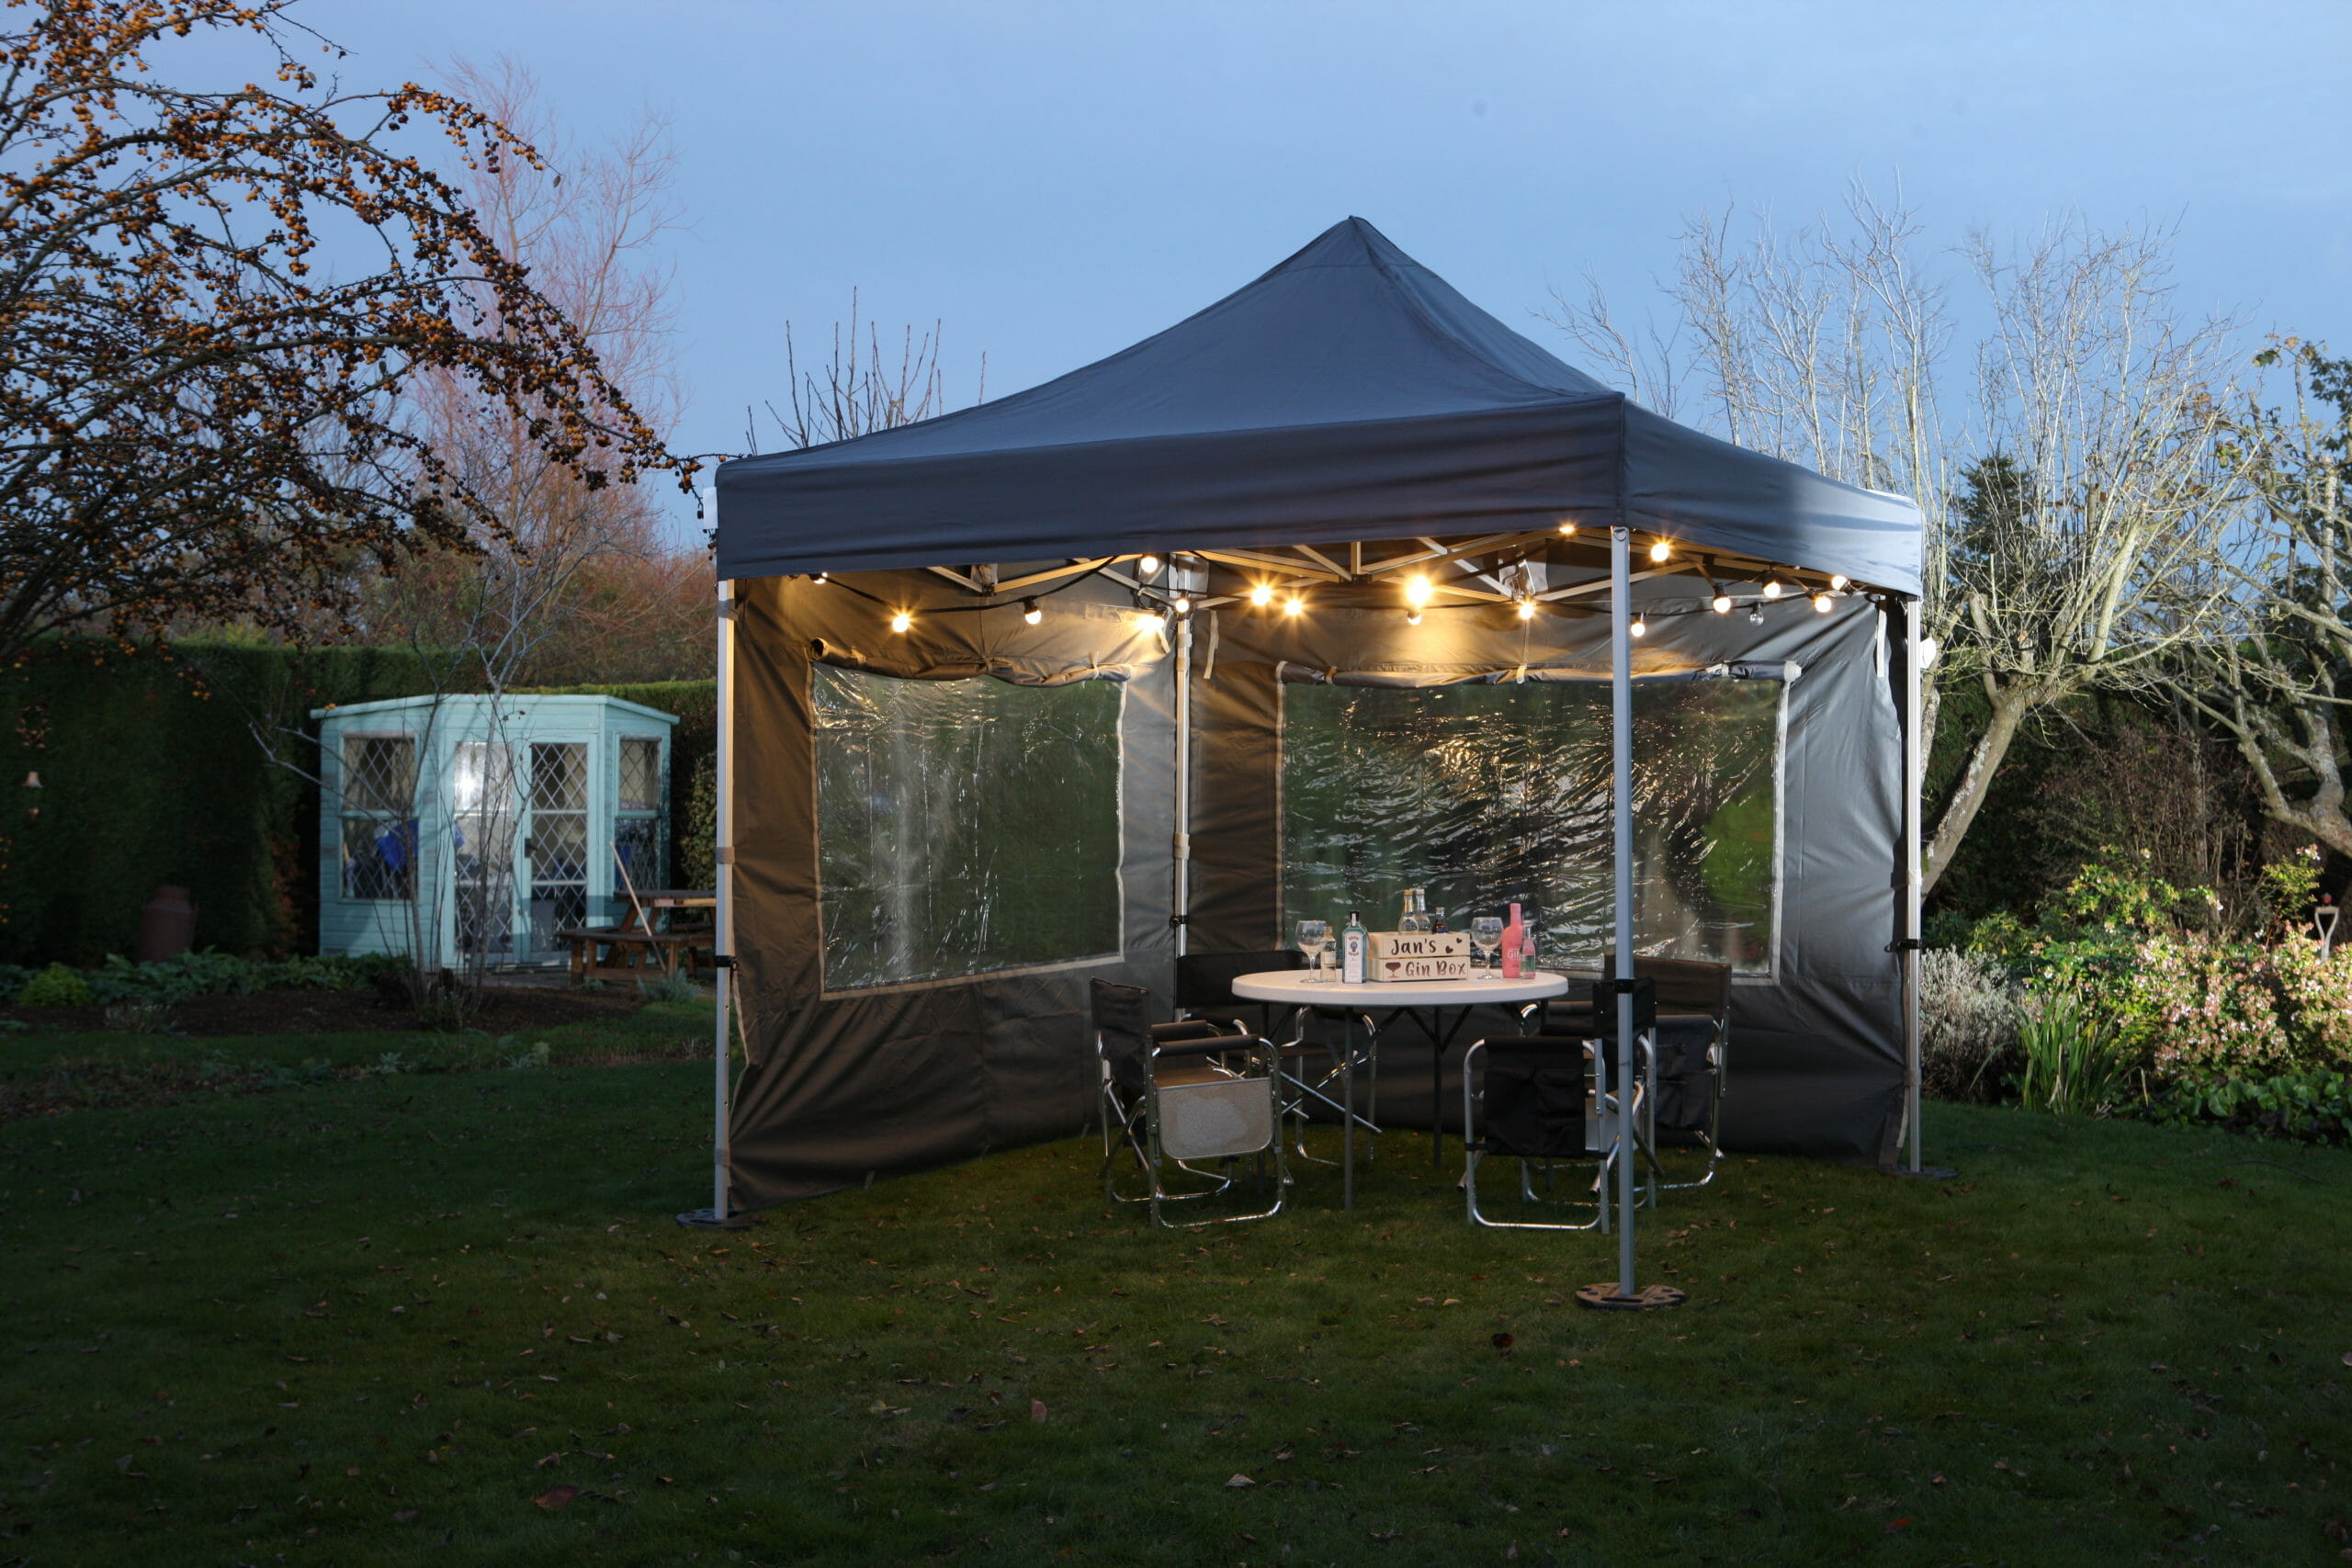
(1349, 394)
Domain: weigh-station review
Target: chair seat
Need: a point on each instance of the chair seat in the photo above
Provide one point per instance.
(1217, 1117)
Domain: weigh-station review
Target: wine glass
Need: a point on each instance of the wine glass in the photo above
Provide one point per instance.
(1314, 936)
(1487, 936)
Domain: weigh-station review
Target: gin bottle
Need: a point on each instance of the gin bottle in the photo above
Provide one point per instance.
(1351, 951)
(1414, 920)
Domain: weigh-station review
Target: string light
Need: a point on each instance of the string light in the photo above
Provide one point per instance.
(1417, 591)
(823, 577)
(1294, 604)
(1147, 566)
(1720, 603)
(1822, 603)
(1839, 581)
(1640, 628)
(1660, 550)
(1772, 588)
(1756, 615)
(1030, 613)
(1527, 609)
(1184, 603)
(1412, 617)
(1261, 595)
(901, 621)
(1566, 528)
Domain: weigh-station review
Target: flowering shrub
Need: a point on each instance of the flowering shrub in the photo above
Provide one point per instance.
(2183, 1011)
(1968, 1019)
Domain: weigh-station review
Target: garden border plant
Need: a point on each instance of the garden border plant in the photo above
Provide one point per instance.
(2132, 1002)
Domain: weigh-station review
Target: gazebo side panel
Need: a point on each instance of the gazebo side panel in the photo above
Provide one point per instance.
(844, 1084)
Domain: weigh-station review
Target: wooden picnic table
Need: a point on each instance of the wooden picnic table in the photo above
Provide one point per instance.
(629, 950)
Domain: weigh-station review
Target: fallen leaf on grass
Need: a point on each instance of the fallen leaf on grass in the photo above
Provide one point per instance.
(557, 1497)
(1240, 1480)
(408, 1516)
(1037, 1410)
(1502, 1341)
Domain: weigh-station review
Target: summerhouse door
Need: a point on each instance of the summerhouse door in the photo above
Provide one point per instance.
(555, 847)
(482, 852)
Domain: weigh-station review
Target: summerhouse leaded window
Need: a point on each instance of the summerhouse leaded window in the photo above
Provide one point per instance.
(558, 847)
(379, 787)
(636, 813)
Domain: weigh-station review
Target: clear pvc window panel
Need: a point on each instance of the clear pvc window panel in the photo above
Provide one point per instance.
(1487, 793)
(378, 811)
(964, 826)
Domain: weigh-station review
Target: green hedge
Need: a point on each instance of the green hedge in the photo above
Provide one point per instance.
(151, 773)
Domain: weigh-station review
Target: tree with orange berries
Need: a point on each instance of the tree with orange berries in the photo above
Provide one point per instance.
(216, 306)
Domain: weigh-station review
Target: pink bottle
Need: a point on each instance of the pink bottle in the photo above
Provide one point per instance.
(1514, 932)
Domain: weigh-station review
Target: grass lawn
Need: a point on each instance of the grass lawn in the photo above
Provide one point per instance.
(446, 1317)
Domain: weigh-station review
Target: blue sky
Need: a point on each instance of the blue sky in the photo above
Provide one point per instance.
(1056, 180)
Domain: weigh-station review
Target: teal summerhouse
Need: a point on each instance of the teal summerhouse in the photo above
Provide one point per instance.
(464, 831)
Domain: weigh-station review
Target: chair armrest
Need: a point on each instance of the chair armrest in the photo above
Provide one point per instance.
(1215, 1045)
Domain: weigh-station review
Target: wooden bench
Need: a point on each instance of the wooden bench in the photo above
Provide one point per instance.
(615, 951)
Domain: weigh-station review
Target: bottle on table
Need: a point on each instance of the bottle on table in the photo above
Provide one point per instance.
(1353, 951)
(1414, 920)
(1514, 932)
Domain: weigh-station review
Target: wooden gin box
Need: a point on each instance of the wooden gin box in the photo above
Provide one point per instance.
(1419, 955)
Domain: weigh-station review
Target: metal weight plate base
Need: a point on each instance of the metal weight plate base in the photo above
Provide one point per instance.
(1604, 1296)
(706, 1219)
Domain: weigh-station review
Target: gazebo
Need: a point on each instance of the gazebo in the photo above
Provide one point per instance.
(1336, 586)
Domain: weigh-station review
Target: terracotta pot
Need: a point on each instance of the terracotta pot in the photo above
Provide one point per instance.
(166, 924)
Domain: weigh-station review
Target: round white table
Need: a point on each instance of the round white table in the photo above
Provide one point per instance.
(1295, 987)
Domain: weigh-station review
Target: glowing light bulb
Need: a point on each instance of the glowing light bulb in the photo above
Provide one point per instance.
(1184, 604)
(1720, 603)
(1660, 550)
(1822, 603)
(901, 621)
(1756, 615)
(1771, 590)
(1567, 527)
(1294, 605)
(1417, 591)
(1261, 596)
(1147, 566)
(1412, 617)
(1839, 581)
(1527, 609)
(1640, 628)
(1030, 613)
(823, 577)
